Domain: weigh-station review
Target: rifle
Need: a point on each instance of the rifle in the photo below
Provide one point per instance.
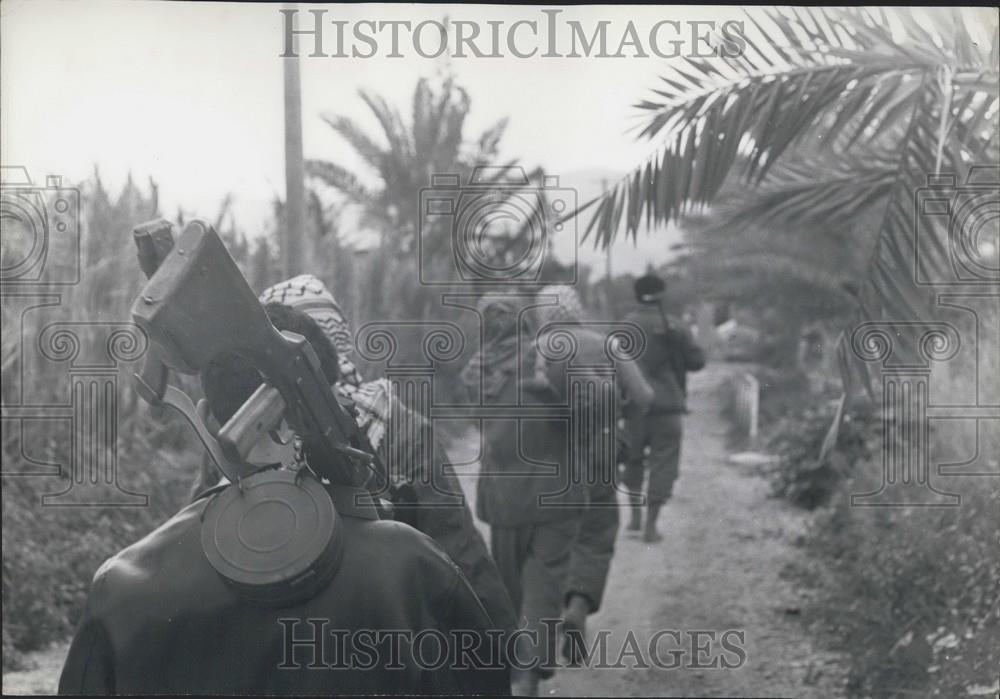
(197, 306)
(671, 332)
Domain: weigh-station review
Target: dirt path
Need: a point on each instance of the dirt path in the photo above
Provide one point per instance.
(718, 569)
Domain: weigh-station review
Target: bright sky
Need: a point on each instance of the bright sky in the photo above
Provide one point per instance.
(191, 95)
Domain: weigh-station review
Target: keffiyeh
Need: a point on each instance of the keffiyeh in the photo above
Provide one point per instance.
(371, 398)
(497, 360)
(567, 308)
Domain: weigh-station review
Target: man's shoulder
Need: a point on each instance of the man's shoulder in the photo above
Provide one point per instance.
(400, 545)
(131, 571)
(647, 318)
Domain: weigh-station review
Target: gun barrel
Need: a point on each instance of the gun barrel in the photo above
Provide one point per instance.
(255, 419)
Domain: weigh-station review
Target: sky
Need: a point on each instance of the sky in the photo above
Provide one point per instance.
(191, 95)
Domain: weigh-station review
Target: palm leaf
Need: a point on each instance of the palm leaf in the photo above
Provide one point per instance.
(837, 77)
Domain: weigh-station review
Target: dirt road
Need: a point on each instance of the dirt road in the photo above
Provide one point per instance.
(717, 569)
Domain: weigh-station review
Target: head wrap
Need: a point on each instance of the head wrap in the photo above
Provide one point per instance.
(371, 398)
(307, 293)
(496, 362)
(567, 308)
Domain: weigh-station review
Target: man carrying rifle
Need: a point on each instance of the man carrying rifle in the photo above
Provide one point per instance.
(283, 578)
(670, 354)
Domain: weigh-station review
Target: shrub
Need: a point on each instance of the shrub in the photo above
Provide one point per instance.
(799, 476)
(50, 554)
(911, 595)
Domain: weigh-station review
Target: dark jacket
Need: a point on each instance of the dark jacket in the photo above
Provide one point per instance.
(160, 620)
(525, 472)
(670, 354)
(427, 495)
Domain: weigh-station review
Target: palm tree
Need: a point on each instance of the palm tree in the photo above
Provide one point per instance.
(825, 114)
(403, 157)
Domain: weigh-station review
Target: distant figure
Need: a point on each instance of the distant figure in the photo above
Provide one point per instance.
(670, 354)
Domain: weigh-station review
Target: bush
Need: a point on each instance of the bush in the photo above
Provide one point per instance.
(50, 554)
(799, 476)
(911, 595)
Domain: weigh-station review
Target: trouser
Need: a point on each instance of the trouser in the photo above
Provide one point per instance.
(594, 546)
(533, 561)
(662, 433)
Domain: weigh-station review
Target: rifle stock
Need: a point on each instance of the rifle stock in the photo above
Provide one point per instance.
(198, 306)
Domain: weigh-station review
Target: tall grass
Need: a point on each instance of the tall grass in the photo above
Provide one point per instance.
(50, 554)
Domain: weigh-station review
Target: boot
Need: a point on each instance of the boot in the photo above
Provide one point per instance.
(524, 683)
(635, 524)
(651, 535)
(575, 628)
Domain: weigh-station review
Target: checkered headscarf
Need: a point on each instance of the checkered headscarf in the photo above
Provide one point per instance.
(568, 307)
(371, 398)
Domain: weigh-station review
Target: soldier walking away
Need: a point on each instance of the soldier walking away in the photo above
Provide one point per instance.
(532, 508)
(594, 546)
(670, 354)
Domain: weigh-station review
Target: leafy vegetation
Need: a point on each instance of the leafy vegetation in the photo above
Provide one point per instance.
(402, 159)
(833, 113)
(910, 595)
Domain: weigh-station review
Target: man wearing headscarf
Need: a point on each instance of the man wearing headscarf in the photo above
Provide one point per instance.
(525, 491)
(167, 615)
(594, 545)
(421, 492)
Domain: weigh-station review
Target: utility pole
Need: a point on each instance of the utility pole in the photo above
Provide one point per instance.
(608, 291)
(294, 170)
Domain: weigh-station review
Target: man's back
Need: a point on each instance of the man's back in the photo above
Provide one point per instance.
(160, 620)
(670, 353)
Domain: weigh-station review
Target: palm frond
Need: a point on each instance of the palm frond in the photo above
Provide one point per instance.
(396, 133)
(373, 153)
(814, 189)
(340, 179)
(834, 77)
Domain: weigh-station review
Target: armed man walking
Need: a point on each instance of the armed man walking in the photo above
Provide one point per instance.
(287, 577)
(671, 353)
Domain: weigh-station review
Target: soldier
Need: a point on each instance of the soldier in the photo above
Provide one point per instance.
(594, 545)
(670, 354)
(532, 509)
(160, 619)
(425, 493)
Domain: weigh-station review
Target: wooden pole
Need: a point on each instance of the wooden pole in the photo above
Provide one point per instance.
(609, 305)
(294, 168)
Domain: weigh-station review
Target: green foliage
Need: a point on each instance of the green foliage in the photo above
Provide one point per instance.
(402, 157)
(50, 554)
(799, 476)
(828, 115)
(910, 595)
